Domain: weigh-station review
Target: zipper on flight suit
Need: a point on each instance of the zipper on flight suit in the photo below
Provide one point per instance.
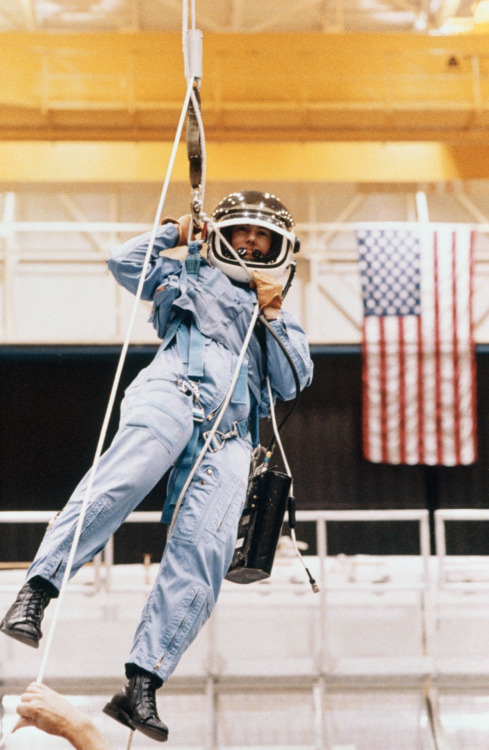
(158, 665)
(56, 570)
(224, 516)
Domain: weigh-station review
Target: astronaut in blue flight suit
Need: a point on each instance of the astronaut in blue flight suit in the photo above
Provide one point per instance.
(202, 310)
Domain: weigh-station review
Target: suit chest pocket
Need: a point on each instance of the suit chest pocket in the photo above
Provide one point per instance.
(163, 300)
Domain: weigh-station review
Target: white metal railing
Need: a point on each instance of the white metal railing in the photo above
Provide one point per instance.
(104, 561)
(321, 519)
(447, 515)
(322, 663)
(421, 517)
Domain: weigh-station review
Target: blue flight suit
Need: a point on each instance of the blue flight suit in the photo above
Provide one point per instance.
(202, 317)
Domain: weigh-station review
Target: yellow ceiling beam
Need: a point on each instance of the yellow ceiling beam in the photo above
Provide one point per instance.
(23, 162)
(303, 86)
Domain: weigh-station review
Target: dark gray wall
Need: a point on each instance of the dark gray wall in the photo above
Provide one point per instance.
(53, 401)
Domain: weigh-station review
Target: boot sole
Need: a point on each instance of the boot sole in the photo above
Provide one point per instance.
(153, 734)
(20, 635)
(123, 718)
(118, 715)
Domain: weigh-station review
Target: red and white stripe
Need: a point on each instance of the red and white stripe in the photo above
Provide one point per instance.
(419, 385)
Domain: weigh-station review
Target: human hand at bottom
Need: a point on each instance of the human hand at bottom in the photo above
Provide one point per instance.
(47, 710)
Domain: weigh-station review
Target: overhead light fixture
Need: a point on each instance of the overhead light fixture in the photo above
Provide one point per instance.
(478, 22)
(481, 12)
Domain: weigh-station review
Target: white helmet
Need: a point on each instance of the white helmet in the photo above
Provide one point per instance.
(259, 209)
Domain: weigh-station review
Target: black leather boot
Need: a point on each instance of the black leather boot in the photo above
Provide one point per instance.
(23, 620)
(135, 707)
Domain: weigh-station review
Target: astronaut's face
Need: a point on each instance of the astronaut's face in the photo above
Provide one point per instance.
(250, 241)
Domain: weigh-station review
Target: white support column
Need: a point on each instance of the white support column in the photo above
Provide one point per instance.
(318, 701)
(422, 206)
(340, 15)
(211, 741)
(9, 267)
(479, 216)
(322, 653)
(114, 240)
(28, 14)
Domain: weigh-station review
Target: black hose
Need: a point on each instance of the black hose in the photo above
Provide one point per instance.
(277, 338)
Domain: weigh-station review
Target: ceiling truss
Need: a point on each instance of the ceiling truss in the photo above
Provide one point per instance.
(294, 87)
(232, 15)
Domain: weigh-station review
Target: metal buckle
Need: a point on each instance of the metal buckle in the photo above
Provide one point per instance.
(198, 414)
(183, 387)
(217, 442)
(219, 438)
(191, 388)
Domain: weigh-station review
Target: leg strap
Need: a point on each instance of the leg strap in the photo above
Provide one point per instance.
(179, 474)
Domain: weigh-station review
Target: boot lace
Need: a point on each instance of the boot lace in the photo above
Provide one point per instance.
(148, 697)
(33, 604)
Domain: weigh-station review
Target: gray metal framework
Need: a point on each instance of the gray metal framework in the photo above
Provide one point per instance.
(327, 300)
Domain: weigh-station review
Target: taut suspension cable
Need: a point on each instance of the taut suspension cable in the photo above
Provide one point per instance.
(192, 44)
(117, 378)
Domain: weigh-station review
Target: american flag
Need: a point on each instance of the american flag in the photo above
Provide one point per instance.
(419, 389)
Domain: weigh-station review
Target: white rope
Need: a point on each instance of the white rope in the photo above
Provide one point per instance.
(192, 54)
(184, 27)
(277, 434)
(115, 386)
(129, 741)
(297, 551)
(256, 311)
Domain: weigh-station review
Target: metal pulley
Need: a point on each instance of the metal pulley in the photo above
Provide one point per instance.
(193, 65)
(194, 153)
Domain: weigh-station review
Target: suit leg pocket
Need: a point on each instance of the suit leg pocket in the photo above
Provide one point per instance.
(212, 504)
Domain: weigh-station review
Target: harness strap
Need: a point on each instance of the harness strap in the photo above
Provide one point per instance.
(193, 260)
(179, 474)
(191, 347)
(194, 340)
(239, 429)
(191, 343)
(196, 349)
(195, 153)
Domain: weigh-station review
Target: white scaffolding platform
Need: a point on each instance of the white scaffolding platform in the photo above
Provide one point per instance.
(384, 630)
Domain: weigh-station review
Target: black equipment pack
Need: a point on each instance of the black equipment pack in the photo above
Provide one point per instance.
(259, 527)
